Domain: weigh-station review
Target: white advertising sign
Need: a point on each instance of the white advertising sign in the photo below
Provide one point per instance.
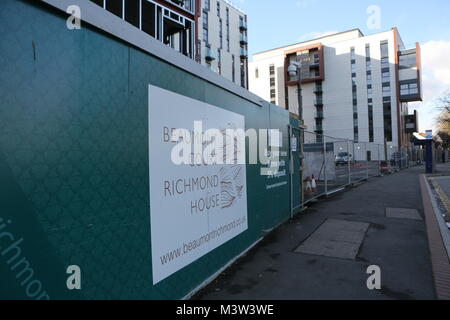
(193, 208)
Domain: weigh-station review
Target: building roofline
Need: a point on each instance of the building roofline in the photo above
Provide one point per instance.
(330, 35)
(234, 6)
(290, 45)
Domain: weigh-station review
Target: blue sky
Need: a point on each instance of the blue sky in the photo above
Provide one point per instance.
(276, 23)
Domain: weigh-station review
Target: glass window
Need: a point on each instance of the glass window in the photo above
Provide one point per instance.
(407, 61)
(352, 53)
(272, 82)
(272, 70)
(384, 47)
(367, 51)
(384, 63)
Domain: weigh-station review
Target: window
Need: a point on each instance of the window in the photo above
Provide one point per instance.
(256, 73)
(205, 20)
(384, 48)
(369, 79)
(408, 89)
(243, 73)
(207, 5)
(353, 68)
(115, 7)
(368, 65)
(384, 63)
(228, 16)
(219, 62)
(205, 35)
(369, 93)
(352, 53)
(367, 51)
(132, 12)
(98, 2)
(272, 82)
(148, 18)
(218, 8)
(385, 76)
(407, 61)
(220, 34)
(272, 70)
(233, 68)
(386, 91)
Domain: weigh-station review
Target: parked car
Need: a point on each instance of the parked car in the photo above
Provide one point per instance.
(343, 158)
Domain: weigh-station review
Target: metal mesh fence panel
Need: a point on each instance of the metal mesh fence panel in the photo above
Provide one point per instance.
(338, 166)
(314, 166)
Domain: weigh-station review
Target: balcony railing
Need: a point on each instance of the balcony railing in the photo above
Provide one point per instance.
(318, 89)
(244, 53)
(243, 39)
(210, 54)
(243, 25)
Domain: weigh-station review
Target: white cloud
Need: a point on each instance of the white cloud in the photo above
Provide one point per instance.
(435, 79)
(315, 35)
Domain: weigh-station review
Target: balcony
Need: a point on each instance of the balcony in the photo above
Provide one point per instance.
(244, 53)
(314, 64)
(319, 115)
(243, 25)
(318, 103)
(209, 55)
(318, 89)
(243, 39)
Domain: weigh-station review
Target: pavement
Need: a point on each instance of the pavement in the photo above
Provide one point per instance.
(312, 258)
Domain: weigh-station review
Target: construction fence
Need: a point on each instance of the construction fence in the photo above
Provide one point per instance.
(331, 164)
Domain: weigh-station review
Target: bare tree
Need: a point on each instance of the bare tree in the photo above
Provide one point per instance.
(443, 120)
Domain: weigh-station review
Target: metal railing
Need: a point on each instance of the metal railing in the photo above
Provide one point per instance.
(331, 164)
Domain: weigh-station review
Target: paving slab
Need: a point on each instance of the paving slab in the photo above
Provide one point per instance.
(336, 239)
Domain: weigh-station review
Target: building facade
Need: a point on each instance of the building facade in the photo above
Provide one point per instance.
(173, 22)
(222, 40)
(353, 86)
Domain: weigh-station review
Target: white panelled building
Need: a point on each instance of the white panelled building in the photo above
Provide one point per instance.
(353, 86)
(222, 40)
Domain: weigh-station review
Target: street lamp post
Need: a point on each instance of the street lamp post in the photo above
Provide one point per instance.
(294, 71)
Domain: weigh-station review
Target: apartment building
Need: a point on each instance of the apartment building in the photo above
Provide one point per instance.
(173, 22)
(353, 86)
(222, 40)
